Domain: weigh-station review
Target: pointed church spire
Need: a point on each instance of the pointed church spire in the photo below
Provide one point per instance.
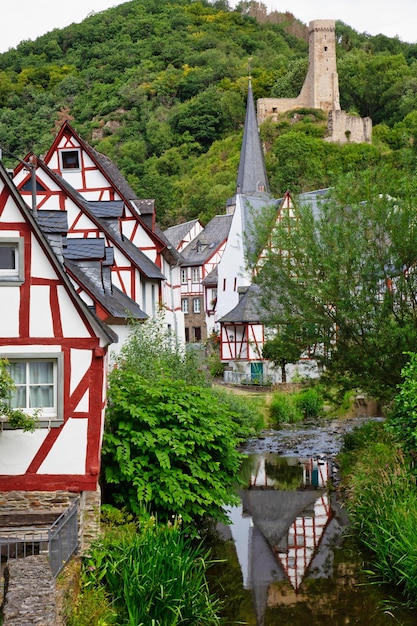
(251, 178)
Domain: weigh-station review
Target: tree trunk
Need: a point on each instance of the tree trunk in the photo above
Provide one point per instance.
(283, 373)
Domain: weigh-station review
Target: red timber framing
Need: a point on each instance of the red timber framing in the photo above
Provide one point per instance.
(96, 182)
(242, 341)
(52, 194)
(45, 319)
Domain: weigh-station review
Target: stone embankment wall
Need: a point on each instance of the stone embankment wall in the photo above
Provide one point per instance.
(30, 595)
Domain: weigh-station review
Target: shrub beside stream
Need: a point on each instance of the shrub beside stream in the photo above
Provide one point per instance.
(381, 499)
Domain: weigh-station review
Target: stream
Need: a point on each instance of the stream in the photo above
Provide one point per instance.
(287, 558)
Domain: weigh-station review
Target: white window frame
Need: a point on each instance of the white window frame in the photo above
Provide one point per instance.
(184, 276)
(195, 274)
(184, 305)
(61, 160)
(48, 416)
(16, 275)
(196, 305)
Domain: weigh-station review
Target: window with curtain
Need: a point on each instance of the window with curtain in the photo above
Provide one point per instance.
(38, 385)
(35, 385)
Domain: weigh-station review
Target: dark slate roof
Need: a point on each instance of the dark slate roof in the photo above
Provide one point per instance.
(252, 177)
(106, 208)
(144, 263)
(88, 249)
(202, 248)
(147, 267)
(118, 305)
(248, 308)
(106, 214)
(175, 234)
(211, 278)
(53, 221)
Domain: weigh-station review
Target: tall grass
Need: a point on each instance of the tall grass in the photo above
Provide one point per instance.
(382, 504)
(157, 576)
(290, 408)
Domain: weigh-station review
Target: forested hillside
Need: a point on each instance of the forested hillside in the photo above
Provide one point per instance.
(160, 87)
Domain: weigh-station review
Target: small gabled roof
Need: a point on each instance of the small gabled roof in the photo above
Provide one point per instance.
(247, 310)
(175, 234)
(204, 246)
(251, 178)
(117, 304)
(107, 208)
(53, 221)
(212, 278)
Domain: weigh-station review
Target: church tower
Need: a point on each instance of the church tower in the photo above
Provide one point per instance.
(251, 177)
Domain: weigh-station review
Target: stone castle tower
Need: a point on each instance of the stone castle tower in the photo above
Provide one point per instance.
(321, 85)
(321, 90)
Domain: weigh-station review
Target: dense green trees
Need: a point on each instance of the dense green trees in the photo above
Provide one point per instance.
(343, 273)
(158, 85)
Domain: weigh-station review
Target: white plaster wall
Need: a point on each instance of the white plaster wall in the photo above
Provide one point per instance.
(68, 454)
(40, 319)
(9, 303)
(17, 449)
(80, 363)
(74, 178)
(41, 266)
(123, 333)
(72, 325)
(11, 214)
(231, 264)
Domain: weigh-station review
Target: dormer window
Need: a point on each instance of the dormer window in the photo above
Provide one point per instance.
(70, 159)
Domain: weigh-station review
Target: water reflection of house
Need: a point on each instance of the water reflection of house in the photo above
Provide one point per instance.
(278, 533)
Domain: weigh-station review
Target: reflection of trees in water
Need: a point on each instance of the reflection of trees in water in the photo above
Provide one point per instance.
(225, 581)
(282, 472)
(286, 477)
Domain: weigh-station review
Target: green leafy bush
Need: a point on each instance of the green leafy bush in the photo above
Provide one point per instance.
(169, 446)
(309, 402)
(153, 352)
(284, 410)
(157, 575)
(403, 415)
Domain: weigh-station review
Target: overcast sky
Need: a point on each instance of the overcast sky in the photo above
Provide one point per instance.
(28, 19)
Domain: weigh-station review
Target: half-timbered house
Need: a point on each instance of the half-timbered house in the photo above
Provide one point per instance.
(199, 262)
(109, 271)
(100, 202)
(57, 349)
